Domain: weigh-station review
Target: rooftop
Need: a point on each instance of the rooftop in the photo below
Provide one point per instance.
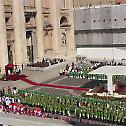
(110, 70)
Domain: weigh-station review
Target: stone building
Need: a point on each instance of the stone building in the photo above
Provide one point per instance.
(101, 27)
(33, 29)
(98, 26)
(82, 3)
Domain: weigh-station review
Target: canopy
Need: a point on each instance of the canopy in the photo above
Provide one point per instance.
(9, 66)
(110, 71)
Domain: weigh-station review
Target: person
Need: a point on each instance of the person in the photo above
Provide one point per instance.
(3, 91)
(1, 108)
(9, 89)
(22, 67)
(4, 77)
(39, 111)
(19, 70)
(60, 72)
(35, 111)
(14, 90)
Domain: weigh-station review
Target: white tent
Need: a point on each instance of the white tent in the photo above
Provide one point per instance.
(110, 71)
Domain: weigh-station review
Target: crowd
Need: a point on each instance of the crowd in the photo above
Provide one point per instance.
(46, 62)
(40, 104)
(81, 70)
(97, 64)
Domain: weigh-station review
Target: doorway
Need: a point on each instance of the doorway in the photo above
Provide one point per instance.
(30, 52)
(10, 54)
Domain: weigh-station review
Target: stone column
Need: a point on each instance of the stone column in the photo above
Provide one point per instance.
(55, 23)
(25, 57)
(71, 39)
(3, 39)
(39, 30)
(110, 84)
(34, 44)
(16, 6)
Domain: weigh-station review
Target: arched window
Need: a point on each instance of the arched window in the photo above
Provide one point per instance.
(63, 38)
(63, 21)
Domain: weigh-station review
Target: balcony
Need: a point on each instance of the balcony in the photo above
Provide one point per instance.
(8, 8)
(9, 27)
(45, 10)
(30, 11)
(30, 26)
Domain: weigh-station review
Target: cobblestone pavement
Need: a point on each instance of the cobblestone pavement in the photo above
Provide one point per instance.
(37, 76)
(22, 120)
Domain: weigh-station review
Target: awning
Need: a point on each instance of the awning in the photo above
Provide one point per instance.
(9, 66)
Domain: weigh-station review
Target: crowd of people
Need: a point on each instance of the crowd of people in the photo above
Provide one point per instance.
(46, 62)
(81, 70)
(40, 104)
(97, 64)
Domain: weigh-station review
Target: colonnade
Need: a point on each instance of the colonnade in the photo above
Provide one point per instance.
(3, 38)
(20, 48)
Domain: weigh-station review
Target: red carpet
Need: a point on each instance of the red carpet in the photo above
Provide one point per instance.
(15, 77)
(23, 78)
(121, 89)
(51, 85)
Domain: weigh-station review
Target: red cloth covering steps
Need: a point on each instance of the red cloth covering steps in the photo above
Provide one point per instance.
(121, 89)
(15, 77)
(53, 85)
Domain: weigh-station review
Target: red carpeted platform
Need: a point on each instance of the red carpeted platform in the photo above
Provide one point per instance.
(121, 89)
(23, 78)
(15, 77)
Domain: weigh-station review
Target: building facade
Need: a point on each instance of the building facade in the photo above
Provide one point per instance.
(81, 3)
(100, 26)
(33, 29)
(100, 32)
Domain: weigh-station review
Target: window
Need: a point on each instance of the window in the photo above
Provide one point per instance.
(27, 20)
(63, 21)
(63, 38)
(6, 20)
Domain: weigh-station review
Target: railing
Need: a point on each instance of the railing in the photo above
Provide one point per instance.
(29, 9)
(9, 27)
(29, 25)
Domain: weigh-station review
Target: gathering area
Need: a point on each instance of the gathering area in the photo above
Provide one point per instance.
(62, 63)
(72, 98)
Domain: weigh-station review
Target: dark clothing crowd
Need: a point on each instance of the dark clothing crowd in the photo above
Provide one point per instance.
(81, 69)
(46, 62)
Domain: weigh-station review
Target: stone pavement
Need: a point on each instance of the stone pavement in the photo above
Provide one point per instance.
(37, 76)
(22, 120)
(19, 120)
